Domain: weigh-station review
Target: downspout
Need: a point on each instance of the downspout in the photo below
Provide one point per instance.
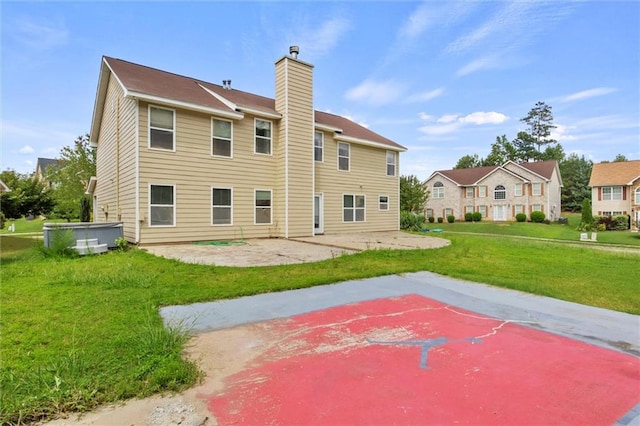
(118, 213)
(137, 173)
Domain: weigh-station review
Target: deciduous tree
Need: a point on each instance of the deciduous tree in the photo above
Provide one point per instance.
(413, 194)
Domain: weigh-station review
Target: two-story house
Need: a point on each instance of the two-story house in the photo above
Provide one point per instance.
(615, 189)
(181, 159)
(499, 193)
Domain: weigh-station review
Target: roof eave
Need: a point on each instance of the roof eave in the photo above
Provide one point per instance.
(101, 95)
(186, 105)
(344, 138)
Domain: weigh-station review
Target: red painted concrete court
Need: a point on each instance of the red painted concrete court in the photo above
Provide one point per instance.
(412, 360)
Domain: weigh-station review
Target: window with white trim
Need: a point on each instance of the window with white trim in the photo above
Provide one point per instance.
(429, 213)
(262, 136)
(469, 191)
(162, 205)
(483, 210)
(610, 193)
(482, 191)
(221, 206)
(221, 138)
(468, 209)
(318, 146)
(517, 190)
(438, 190)
(161, 128)
(637, 197)
(383, 202)
(343, 156)
(611, 213)
(263, 206)
(536, 207)
(353, 208)
(518, 208)
(448, 212)
(500, 193)
(391, 163)
(536, 189)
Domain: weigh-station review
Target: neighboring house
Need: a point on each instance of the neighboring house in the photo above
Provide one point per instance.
(615, 189)
(180, 159)
(42, 168)
(498, 192)
(4, 187)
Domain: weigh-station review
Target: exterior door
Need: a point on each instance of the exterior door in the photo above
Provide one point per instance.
(499, 212)
(318, 213)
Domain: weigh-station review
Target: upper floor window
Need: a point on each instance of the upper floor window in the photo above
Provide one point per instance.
(353, 208)
(517, 190)
(343, 156)
(162, 207)
(263, 206)
(263, 136)
(500, 193)
(221, 205)
(438, 190)
(612, 193)
(536, 189)
(161, 128)
(469, 191)
(637, 198)
(482, 191)
(383, 202)
(391, 163)
(318, 146)
(221, 145)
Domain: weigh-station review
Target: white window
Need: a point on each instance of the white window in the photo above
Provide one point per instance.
(438, 190)
(611, 213)
(483, 210)
(343, 156)
(518, 208)
(383, 202)
(353, 208)
(537, 189)
(318, 146)
(482, 191)
(517, 191)
(263, 136)
(161, 128)
(448, 212)
(429, 212)
(162, 207)
(469, 191)
(391, 163)
(221, 206)
(611, 193)
(468, 209)
(637, 200)
(500, 193)
(536, 207)
(263, 206)
(221, 137)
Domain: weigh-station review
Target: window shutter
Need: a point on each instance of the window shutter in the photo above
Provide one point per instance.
(513, 211)
(624, 193)
(541, 188)
(599, 194)
(530, 189)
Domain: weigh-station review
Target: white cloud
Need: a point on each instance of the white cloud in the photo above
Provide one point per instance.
(450, 123)
(27, 149)
(426, 117)
(316, 42)
(426, 96)
(586, 94)
(448, 118)
(417, 22)
(376, 92)
(484, 118)
(485, 63)
(40, 35)
(562, 133)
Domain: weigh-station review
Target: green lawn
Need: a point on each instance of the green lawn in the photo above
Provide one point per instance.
(26, 226)
(77, 333)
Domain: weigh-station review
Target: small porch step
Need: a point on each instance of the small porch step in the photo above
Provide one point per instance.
(90, 246)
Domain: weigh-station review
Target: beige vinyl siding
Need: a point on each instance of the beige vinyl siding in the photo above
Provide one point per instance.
(294, 100)
(367, 177)
(116, 189)
(194, 171)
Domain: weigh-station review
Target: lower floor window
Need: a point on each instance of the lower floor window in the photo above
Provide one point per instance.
(221, 206)
(162, 205)
(448, 212)
(518, 208)
(612, 213)
(468, 209)
(263, 206)
(384, 202)
(353, 208)
(483, 210)
(429, 213)
(536, 208)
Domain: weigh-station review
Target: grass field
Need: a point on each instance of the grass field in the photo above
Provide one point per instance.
(78, 333)
(23, 225)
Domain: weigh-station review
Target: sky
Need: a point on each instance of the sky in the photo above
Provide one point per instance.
(443, 78)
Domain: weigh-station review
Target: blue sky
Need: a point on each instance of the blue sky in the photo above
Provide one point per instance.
(443, 78)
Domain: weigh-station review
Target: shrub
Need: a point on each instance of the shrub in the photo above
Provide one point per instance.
(451, 218)
(3, 219)
(121, 244)
(537, 216)
(60, 242)
(411, 222)
(601, 227)
(477, 217)
(432, 219)
(619, 223)
(440, 220)
(468, 217)
(521, 217)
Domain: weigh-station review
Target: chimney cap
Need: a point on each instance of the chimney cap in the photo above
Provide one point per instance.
(294, 50)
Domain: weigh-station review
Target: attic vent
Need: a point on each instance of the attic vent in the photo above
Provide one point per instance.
(226, 84)
(293, 51)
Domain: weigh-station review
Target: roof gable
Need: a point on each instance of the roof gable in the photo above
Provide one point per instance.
(617, 173)
(467, 177)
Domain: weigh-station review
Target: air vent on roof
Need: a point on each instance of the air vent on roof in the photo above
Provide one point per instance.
(226, 84)
(293, 51)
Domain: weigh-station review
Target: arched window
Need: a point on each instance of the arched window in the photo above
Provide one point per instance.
(637, 200)
(438, 190)
(500, 193)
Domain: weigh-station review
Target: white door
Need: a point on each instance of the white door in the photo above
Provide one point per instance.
(318, 220)
(500, 212)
